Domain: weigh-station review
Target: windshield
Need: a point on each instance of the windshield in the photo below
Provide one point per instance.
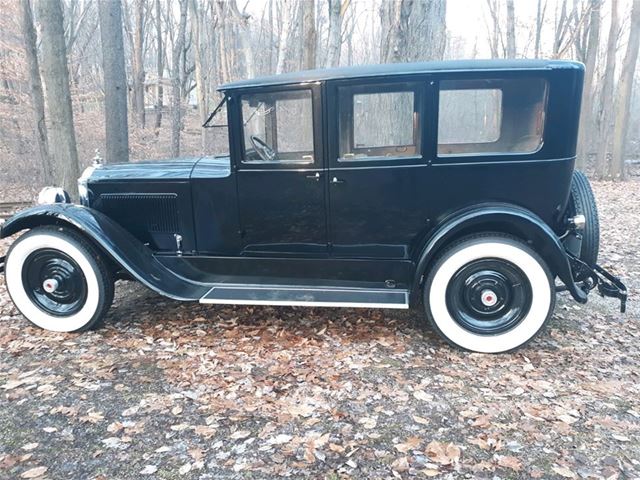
(216, 141)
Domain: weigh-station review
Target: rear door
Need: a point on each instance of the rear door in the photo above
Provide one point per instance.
(280, 172)
(378, 167)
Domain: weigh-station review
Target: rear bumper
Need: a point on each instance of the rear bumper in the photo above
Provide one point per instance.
(608, 285)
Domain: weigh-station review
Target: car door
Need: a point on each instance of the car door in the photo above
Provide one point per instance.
(378, 168)
(281, 188)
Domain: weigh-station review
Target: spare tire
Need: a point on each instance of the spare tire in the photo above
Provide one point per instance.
(583, 202)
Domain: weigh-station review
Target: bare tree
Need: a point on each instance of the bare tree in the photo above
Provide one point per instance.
(62, 144)
(159, 66)
(308, 34)
(287, 20)
(591, 55)
(540, 13)
(623, 94)
(427, 30)
(337, 9)
(137, 61)
(511, 30)
(176, 84)
(394, 16)
(35, 85)
(606, 98)
(115, 82)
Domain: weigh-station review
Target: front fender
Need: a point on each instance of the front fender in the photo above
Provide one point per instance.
(114, 241)
(508, 219)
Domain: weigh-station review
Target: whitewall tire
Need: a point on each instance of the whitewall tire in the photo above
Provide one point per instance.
(58, 280)
(489, 293)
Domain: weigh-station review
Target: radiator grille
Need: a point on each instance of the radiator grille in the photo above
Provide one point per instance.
(153, 212)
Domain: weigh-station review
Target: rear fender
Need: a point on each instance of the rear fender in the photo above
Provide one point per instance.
(500, 218)
(114, 241)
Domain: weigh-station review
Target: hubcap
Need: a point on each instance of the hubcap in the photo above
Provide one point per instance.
(489, 296)
(50, 285)
(54, 282)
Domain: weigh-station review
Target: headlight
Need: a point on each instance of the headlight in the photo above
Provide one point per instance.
(53, 195)
(83, 191)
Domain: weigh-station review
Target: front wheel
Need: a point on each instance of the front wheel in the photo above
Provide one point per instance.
(489, 293)
(58, 280)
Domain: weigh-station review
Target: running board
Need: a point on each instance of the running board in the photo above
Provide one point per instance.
(306, 296)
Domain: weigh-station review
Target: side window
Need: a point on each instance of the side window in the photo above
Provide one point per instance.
(278, 127)
(491, 116)
(379, 122)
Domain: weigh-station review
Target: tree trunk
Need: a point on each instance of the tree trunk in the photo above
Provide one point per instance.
(427, 30)
(137, 62)
(176, 91)
(606, 99)
(309, 34)
(115, 82)
(511, 30)
(197, 27)
(244, 39)
(540, 10)
(587, 125)
(35, 86)
(159, 68)
(335, 33)
(62, 144)
(283, 45)
(395, 14)
(623, 94)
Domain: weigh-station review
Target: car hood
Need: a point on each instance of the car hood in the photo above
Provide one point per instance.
(157, 170)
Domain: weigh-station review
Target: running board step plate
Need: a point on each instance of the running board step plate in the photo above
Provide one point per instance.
(306, 296)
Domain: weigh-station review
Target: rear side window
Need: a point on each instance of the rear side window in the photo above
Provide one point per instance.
(379, 122)
(491, 116)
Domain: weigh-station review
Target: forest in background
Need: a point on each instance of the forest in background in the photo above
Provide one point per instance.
(137, 78)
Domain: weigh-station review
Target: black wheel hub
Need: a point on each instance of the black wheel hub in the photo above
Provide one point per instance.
(489, 296)
(54, 282)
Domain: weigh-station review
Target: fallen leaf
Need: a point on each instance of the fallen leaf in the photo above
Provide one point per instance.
(410, 444)
(400, 465)
(368, 422)
(240, 434)
(30, 446)
(510, 462)
(149, 470)
(34, 472)
(564, 472)
(444, 454)
(422, 395)
(279, 439)
(420, 420)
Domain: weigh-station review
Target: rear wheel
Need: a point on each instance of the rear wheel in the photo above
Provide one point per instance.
(489, 293)
(58, 280)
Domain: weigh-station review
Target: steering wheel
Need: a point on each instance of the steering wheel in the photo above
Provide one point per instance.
(265, 151)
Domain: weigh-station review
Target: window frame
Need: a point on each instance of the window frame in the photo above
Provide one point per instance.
(317, 161)
(486, 80)
(413, 84)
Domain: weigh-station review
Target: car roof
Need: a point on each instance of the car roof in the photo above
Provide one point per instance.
(393, 69)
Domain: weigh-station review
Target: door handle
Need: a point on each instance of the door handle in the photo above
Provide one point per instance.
(336, 180)
(315, 177)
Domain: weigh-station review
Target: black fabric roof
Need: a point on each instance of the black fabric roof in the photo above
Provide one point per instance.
(362, 71)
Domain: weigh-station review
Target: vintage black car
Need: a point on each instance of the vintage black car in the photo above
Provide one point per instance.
(449, 185)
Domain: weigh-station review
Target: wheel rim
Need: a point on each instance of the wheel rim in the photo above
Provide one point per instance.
(489, 296)
(54, 282)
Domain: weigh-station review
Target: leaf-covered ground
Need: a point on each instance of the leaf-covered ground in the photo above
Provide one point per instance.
(170, 390)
